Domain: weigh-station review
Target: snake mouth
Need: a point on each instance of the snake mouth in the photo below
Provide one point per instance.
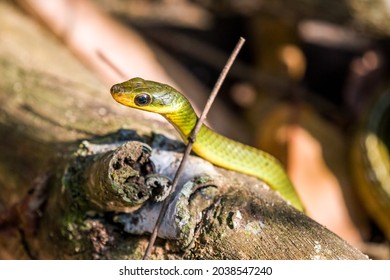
(118, 94)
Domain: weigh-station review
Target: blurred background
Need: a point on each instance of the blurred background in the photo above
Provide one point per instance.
(310, 85)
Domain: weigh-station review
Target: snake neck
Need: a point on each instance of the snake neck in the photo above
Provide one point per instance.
(227, 153)
(183, 119)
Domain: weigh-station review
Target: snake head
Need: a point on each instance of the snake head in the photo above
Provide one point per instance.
(147, 95)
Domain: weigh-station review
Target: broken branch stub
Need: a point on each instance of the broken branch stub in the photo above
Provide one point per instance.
(115, 179)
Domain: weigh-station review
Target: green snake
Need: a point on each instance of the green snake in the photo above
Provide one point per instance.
(224, 152)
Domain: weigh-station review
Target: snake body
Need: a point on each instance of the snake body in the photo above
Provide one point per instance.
(224, 152)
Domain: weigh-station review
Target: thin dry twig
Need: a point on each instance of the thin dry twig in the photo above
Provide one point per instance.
(191, 140)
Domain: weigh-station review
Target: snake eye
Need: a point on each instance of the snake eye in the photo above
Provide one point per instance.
(142, 99)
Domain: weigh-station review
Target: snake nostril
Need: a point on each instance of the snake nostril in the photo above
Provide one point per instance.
(115, 89)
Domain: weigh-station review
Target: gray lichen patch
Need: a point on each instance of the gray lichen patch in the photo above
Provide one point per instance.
(247, 225)
(196, 196)
(182, 216)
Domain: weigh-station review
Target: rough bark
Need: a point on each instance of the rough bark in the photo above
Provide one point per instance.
(60, 133)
